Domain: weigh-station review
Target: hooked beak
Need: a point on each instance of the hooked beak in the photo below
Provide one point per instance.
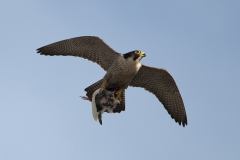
(142, 54)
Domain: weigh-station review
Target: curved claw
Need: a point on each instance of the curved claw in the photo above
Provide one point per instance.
(104, 84)
(119, 93)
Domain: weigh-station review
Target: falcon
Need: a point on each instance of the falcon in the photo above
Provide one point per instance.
(122, 70)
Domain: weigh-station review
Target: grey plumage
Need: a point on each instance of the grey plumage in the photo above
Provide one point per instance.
(87, 47)
(104, 102)
(163, 86)
(157, 81)
(92, 88)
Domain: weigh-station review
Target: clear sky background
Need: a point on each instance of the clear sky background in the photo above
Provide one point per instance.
(43, 118)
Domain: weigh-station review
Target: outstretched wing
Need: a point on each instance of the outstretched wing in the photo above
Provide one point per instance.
(88, 47)
(162, 85)
(91, 89)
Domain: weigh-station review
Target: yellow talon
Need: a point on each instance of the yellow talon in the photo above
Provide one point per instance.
(119, 93)
(104, 84)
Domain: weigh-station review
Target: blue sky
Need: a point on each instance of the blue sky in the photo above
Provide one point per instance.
(43, 118)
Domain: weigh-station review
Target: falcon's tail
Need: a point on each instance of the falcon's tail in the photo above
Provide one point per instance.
(91, 89)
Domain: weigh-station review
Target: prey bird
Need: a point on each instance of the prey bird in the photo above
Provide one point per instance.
(102, 101)
(122, 70)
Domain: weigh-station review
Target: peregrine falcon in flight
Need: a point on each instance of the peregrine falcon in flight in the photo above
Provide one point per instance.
(122, 70)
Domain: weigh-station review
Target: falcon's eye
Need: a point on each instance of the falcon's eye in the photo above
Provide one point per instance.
(137, 52)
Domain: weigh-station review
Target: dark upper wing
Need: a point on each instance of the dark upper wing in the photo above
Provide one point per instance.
(88, 47)
(91, 89)
(162, 85)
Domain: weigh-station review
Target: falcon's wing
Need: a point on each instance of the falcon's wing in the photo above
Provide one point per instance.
(162, 85)
(88, 47)
(91, 89)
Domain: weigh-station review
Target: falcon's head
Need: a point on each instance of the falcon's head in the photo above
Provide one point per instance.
(134, 55)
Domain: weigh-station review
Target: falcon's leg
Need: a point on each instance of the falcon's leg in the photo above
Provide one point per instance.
(118, 93)
(104, 84)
